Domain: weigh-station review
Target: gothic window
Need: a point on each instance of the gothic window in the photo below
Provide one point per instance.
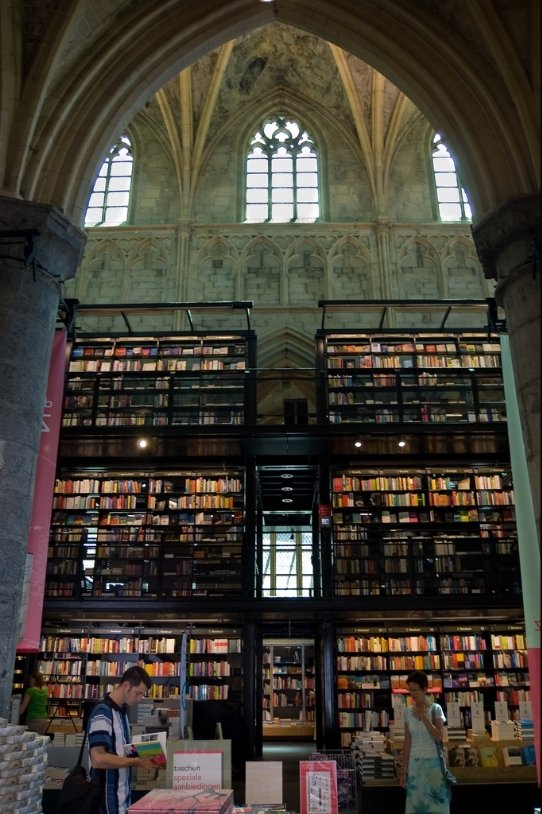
(453, 204)
(108, 205)
(282, 174)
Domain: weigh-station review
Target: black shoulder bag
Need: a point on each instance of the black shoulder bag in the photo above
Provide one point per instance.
(79, 794)
(449, 778)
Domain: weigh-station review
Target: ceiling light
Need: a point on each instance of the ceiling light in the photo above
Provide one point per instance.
(286, 488)
(286, 475)
(357, 443)
(287, 500)
(401, 444)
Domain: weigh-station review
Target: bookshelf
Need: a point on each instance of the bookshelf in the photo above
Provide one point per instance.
(419, 532)
(84, 664)
(146, 535)
(289, 701)
(192, 379)
(463, 664)
(418, 378)
(215, 667)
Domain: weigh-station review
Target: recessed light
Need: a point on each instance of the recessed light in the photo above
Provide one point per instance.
(287, 500)
(286, 488)
(357, 443)
(286, 475)
(401, 444)
(142, 443)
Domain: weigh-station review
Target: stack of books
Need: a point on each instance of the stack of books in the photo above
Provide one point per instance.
(169, 801)
(371, 758)
(524, 729)
(454, 735)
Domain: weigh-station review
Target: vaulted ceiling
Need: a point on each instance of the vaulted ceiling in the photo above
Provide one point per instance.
(276, 67)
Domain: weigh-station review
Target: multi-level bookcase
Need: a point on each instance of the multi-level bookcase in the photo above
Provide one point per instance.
(424, 531)
(379, 378)
(146, 534)
(464, 664)
(193, 379)
(288, 689)
(174, 531)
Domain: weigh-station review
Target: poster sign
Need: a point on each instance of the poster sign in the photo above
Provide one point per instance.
(318, 786)
(197, 770)
(501, 711)
(478, 716)
(453, 711)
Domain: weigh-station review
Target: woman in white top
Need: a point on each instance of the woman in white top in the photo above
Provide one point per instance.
(426, 790)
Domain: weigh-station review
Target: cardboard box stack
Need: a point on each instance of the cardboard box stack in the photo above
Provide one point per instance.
(23, 759)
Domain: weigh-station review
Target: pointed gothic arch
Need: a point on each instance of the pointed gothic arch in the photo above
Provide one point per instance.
(499, 159)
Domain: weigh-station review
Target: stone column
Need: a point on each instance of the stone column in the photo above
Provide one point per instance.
(39, 249)
(508, 244)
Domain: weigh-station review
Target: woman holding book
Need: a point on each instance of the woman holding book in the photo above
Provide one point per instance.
(426, 789)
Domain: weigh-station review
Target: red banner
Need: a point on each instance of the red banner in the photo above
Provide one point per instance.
(38, 534)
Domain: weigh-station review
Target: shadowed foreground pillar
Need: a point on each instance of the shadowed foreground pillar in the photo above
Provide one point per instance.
(39, 249)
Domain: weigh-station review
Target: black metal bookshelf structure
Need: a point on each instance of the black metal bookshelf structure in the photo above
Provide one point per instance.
(410, 505)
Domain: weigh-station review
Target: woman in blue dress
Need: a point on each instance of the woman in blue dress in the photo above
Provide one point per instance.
(426, 790)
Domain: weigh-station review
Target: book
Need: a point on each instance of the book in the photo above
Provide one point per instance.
(488, 756)
(148, 745)
(168, 801)
(512, 756)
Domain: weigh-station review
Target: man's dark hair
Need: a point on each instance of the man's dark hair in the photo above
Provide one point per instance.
(136, 675)
(419, 678)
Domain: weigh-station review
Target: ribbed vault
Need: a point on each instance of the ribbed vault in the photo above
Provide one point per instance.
(98, 64)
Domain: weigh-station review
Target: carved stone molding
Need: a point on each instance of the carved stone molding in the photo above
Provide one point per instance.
(508, 238)
(57, 244)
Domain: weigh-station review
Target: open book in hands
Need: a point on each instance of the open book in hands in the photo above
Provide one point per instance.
(151, 745)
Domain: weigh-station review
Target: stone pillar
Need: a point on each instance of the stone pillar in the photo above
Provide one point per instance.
(508, 244)
(39, 249)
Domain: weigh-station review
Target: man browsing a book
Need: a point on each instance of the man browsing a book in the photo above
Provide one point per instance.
(109, 733)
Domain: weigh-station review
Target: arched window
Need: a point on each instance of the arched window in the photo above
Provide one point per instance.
(282, 174)
(108, 205)
(452, 200)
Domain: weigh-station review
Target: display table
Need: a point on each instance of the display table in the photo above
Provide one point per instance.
(285, 729)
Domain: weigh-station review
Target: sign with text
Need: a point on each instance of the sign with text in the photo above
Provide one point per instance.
(197, 770)
(478, 717)
(501, 711)
(318, 787)
(453, 711)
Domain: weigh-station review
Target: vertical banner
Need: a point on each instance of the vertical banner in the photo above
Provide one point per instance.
(529, 551)
(38, 534)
